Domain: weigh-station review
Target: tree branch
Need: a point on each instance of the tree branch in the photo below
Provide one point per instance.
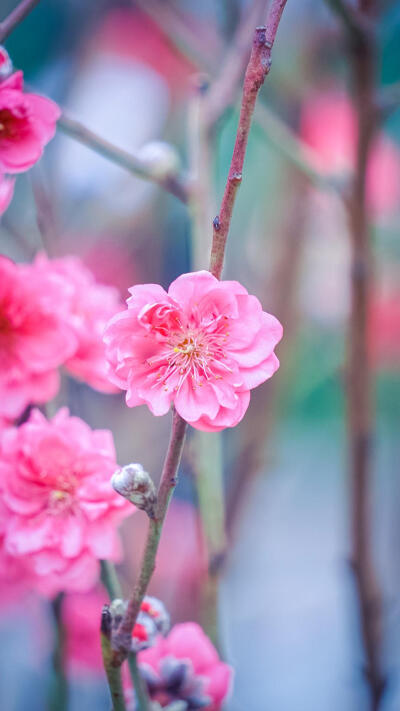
(15, 17)
(257, 69)
(128, 161)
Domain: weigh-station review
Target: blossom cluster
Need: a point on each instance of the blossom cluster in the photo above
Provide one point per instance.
(52, 313)
(59, 514)
(27, 124)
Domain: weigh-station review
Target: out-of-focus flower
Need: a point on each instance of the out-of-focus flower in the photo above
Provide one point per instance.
(27, 123)
(328, 124)
(89, 306)
(384, 330)
(6, 192)
(81, 614)
(62, 511)
(34, 338)
(202, 346)
(185, 667)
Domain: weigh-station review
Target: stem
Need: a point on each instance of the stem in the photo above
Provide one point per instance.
(138, 683)
(15, 17)
(258, 67)
(58, 697)
(113, 675)
(128, 161)
(122, 637)
(359, 385)
(110, 580)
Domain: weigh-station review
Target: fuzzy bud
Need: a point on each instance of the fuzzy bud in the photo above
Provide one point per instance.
(136, 485)
(6, 66)
(160, 158)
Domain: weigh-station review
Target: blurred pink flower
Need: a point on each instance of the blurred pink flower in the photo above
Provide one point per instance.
(6, 192)
(89, 307)
(81, 614)
(185, 666)
(202, 346)
(34, 340)
(328, 125)
(27, 123)
(62, 510)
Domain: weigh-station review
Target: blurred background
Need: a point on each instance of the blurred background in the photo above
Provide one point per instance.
(137, 73)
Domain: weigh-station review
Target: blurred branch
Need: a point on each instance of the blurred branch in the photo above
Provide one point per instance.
(76, 130)
(224, 88)
(257, 69)
(355, 22)
(110, 580)
(142, 698)
(58, 699)
(189, 40)
(15, 17)
(45, 217)
(359, 375)
(295, 150)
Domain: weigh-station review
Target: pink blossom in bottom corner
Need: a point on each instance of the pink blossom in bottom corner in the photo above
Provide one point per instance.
(89, 307)
(188, 658)
(202, 347)
(6, 192)
(62, 513)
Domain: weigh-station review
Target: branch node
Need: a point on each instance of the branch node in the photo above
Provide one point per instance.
(216, 223)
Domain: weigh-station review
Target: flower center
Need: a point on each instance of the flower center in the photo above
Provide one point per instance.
(59, 500)
(195, 353)
(13, 124)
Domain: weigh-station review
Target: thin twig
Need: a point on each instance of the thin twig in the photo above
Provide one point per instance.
(58, 699)
(15, 17)
(122, 638)
(128, 161)
(110, 580)
(257, 69)
(224, 88)
(142, 697)
(359, 374)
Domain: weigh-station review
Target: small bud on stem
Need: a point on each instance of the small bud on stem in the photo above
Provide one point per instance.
(136, 485)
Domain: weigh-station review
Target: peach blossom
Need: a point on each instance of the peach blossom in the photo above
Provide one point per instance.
(62, 510)
(202, 347)
(27, 123)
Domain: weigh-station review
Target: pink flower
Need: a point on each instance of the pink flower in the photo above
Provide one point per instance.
(34, 340)
(188, 657)
(62, 510)
(6, 192)
(328, 125)
(89, 306)
(202, 346)
(27, 123)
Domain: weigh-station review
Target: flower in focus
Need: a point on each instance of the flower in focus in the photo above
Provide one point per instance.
(6, 192)
(27, 123)
(62, 512)
(34, 339)
(202, 346)
(89, 306)
(185, 667)
(328, 125)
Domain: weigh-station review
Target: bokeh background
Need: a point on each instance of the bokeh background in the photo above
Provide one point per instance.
(137, 72)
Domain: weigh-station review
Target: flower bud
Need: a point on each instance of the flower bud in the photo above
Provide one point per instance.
(153, 607)
(136, 485)
(160, 158)
(6, 66)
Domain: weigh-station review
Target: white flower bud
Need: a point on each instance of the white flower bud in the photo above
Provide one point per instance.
(160, 158)
(136, 485)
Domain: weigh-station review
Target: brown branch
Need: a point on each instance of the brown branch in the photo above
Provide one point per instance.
(173, 184)
(15, 17)
(257, 69)
(121, 640)
(359, 384)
